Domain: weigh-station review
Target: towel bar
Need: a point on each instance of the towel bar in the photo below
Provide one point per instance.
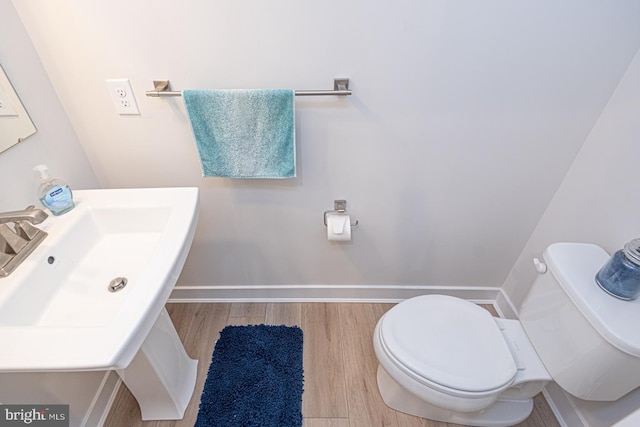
(340, 88)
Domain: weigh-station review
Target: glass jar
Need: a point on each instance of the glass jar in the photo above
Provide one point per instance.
(620, 276)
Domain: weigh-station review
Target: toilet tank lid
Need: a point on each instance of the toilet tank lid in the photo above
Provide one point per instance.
(575, 266)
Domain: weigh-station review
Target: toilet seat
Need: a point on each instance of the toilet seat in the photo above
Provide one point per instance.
(448, 344)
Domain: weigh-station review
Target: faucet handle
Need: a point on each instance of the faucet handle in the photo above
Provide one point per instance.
(25, 230)
(11, 242)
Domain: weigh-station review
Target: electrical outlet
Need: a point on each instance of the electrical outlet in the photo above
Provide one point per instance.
(122, 96)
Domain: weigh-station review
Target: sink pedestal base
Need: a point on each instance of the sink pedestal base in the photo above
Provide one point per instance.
(161, 376)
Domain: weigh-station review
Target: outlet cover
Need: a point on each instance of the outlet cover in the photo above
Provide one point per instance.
(122, 96)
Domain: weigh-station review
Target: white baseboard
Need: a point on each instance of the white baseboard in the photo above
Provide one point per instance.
(326, 293)
(504, 306)
(562, 406)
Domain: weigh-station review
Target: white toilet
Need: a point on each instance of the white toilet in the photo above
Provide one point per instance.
(446, 359)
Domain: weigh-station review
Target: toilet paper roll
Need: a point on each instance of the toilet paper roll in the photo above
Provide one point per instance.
(338, 227)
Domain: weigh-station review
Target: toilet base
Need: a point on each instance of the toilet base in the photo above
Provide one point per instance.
(502, 413)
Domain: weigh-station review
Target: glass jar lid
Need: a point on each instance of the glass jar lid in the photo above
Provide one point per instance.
(632, 251)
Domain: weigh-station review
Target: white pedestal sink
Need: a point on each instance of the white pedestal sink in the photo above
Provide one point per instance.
(57, 312)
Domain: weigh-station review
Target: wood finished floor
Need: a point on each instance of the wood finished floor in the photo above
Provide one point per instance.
(339, 363)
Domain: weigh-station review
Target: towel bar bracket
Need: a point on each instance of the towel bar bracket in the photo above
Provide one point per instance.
(341, 84)
(161, 85)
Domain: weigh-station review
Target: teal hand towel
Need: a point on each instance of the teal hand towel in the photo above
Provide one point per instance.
(244, 133)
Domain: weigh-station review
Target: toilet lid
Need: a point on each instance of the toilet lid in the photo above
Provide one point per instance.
(450, 342)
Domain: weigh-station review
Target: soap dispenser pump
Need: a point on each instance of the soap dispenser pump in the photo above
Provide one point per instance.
(53, 193)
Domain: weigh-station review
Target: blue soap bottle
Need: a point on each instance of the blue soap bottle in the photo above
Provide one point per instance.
(53, 193)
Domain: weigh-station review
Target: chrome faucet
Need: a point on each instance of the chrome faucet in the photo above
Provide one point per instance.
(17, 242)
(31, 214)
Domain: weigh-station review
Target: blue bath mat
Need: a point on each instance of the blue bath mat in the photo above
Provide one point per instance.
(255, 378)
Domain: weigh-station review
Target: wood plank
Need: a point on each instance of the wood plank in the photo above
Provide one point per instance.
(324, 385)
(405, 420)
(541, 414)
(289, 314)
(124, 410)
(325, 422)
(366, 407)
(543, 411)
(245, 321)
(340, 365)
(491, 309)
(242, 309)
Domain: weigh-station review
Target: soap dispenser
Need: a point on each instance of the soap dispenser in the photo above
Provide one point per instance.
(53, 193)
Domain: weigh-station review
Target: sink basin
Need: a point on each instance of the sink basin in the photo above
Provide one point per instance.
(56, 309)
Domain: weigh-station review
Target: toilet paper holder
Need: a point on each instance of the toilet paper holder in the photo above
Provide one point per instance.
(339, 206)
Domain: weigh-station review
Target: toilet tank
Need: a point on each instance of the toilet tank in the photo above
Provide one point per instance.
(586, 338)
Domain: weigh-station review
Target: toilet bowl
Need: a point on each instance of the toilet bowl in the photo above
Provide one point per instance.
(447, 359)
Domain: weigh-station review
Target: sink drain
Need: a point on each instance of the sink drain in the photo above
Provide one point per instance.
(118, 284)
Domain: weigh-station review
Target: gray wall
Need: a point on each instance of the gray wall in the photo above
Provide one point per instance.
(597, 202)
(465, 118)
(55, 143)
